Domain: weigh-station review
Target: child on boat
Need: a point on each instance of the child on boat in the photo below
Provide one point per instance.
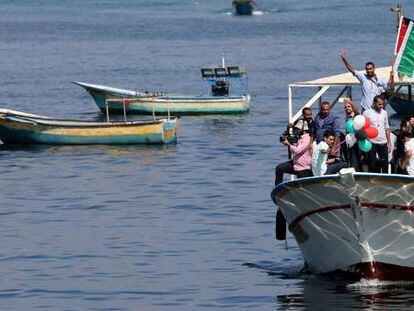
(322, 162)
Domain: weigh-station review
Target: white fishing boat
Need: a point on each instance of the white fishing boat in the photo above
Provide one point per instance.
(227, 95)
(361, 224)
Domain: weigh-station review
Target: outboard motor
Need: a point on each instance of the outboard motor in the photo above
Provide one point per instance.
(220, 88)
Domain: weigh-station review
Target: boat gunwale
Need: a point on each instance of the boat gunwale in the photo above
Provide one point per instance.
(81, 123)
(288, 185)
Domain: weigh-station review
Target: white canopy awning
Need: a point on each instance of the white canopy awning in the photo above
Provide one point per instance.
(347, 79)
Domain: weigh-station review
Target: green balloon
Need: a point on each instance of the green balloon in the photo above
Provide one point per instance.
(364, 145)
(349, 125)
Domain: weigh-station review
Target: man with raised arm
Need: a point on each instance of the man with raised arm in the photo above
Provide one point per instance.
(371, 84)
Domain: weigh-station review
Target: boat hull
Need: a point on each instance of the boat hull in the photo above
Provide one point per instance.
(360, 224)
(401, 104)
(14, 130)
(244, 9)
(175, 104)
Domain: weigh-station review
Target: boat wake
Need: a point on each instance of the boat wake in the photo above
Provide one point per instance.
(255, 13)
(279, 269)
(377, 285)
(259, 13)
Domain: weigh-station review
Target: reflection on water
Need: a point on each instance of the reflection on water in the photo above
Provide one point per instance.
(323, 294)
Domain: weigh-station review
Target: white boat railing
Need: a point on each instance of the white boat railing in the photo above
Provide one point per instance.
(317, 97)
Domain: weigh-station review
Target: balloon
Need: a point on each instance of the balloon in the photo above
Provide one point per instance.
(364, 145)
(367, 124)
(349, 125)
(361, 135)
(350, 140)
(359, 122)
(372, 132)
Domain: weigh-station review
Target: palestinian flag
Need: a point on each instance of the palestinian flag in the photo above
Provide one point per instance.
(405, 57)
(402, 30)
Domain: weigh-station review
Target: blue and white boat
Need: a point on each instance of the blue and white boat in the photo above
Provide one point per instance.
(228, 95)
(402, 101)
(244, 7)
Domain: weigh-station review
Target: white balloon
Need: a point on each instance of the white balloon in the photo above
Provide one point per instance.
(359, 122)
(350, 139)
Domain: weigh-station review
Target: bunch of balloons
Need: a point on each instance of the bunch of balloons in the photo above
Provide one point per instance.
(360, 129)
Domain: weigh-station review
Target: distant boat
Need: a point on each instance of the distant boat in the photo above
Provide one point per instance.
(19, 127)
(244, 7)
(220, 101)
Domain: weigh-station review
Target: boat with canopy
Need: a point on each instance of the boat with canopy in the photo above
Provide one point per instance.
(359, 224)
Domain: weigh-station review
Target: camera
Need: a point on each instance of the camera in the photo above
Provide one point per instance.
(292, 135)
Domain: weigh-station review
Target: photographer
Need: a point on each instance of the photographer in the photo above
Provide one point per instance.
(300, 164)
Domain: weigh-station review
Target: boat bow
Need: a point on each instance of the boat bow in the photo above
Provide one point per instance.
(352, 222)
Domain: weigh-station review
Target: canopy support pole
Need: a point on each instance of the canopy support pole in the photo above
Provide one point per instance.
(339, 96)
(107, 111)
(349, 93)
(320, 98)
(123, 104)
(290, 102)
(308, 104)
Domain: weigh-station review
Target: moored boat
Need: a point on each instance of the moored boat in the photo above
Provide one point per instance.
(244, 7)
(402, 101)
(358, 223)
(222, 99)
(17, 127)
(161, 103)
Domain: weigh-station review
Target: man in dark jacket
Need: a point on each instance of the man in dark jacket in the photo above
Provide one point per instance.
(326, 119)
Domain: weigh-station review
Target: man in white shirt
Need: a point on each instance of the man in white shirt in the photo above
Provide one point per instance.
(377, 157)
(371, 84)
(409, 155)
(320, 153)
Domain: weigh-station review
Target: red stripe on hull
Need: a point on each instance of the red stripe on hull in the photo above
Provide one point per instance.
(316, 211)
(295, 221)
(388, 205)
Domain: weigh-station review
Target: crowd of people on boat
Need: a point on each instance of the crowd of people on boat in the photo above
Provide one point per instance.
(317, 146)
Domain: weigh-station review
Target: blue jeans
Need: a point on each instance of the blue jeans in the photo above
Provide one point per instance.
(335, 168)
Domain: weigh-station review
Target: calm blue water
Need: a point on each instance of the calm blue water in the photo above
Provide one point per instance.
(180, 227)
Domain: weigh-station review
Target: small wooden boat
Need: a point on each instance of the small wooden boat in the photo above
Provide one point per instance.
(219, 101)
(19, 127)
(244, 7)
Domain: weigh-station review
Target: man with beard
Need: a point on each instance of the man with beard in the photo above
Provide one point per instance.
(381, 145)
(371, 84)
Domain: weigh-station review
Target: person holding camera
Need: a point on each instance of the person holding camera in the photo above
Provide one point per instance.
(300, 164)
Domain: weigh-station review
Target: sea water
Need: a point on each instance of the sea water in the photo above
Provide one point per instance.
(179, 227)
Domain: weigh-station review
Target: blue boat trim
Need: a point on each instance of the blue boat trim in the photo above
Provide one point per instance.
(314, 179)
